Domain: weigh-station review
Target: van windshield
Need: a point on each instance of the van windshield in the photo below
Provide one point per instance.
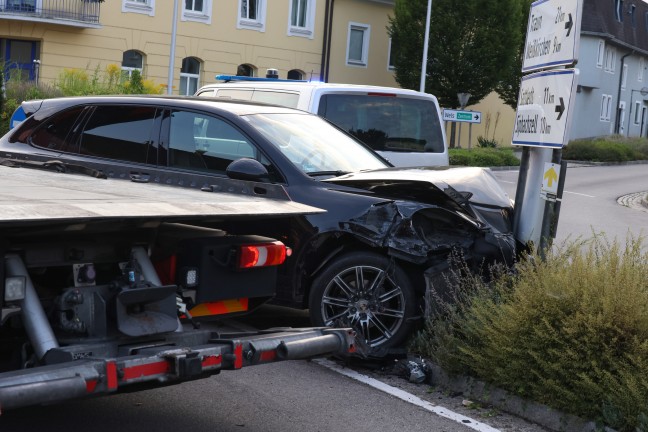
(386, 123)
(313, 145)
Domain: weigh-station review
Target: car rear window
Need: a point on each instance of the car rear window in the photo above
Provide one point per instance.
(386, 123)
(57, 133)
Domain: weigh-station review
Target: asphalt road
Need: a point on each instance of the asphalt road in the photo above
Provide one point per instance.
(590, 201)
(305, 396)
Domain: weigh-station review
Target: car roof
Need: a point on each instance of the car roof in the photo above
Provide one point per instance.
(234, 106)
(312, 85)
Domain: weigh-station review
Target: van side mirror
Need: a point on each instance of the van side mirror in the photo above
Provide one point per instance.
(246, 169)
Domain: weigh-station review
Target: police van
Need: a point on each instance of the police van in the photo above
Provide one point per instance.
(404, 126)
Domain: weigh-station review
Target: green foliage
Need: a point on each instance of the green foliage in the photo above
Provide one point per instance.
(607, 149)
(508, 87)
(483, 142)
(470, 45)
(570, 331)
(483, 157)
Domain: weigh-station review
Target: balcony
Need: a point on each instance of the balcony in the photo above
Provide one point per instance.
(75, 13)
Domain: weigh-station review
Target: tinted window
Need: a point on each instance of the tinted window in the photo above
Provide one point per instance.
(204, 143)
(119, 132)
(386, 122)
(57, 132)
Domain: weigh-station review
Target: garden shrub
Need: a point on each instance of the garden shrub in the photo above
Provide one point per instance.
(607, 149)
(570, 331)
(483, 157)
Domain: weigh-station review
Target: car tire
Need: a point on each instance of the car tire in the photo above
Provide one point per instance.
(368, 292)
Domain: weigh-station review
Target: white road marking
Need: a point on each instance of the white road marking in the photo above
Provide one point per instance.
(407, 397)
(581, 194)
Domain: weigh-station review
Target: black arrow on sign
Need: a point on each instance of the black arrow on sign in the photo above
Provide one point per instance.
(560, 109)
(569, 24)
(476, 117)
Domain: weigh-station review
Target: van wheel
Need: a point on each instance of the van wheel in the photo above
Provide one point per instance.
(368, 292)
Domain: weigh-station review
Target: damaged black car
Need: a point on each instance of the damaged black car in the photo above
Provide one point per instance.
(367, 262)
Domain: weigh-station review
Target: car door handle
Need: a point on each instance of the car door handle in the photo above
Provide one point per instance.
(138, 177)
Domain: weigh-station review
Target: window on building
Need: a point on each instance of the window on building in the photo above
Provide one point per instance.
(194, 6)
(20, 59)
(245, 70)
(642, 66)
(251, 14)
(189, 76)
(609, 63)
(295, 74)
(624, 76)
(637, 112)
(393, 49)
(600, 55)
(139, 6)
(618, 10)
(197, 10)
(358, 44)
(606, 106)
(302, 18)
(131, 60)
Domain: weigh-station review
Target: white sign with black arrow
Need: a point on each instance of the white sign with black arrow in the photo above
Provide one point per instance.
(553, 34)
(544, 108)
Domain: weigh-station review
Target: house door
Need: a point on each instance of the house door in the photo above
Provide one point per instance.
(19, 56)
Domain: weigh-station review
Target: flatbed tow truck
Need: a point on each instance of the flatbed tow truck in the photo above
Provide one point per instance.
(107, 285)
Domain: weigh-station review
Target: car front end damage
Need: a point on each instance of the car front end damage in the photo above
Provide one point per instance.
(433, 214)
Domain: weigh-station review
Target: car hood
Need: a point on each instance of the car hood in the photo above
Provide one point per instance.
(478, 185)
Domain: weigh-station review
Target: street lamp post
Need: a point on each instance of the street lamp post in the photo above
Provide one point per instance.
(174, 30)
(425, 46)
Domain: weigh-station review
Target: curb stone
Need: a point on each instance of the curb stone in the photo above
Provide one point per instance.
(501, 399)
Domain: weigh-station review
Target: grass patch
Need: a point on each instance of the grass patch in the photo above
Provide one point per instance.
(613, 148)
(483, 157)
(570, 332)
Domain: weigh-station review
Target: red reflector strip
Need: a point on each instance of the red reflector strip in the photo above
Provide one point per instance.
(145, 370)
(91, 385)
(382, 94)
(268, 356)
(215, 360)
(238, 354)
(220, 307)
(262, 255)
(111, 375)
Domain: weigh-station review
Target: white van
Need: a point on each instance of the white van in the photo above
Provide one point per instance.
(404, 126)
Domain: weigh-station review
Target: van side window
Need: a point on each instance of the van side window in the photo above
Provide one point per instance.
(386, 123)
(287, 99)
(57, 132)
(240, 94)
(119, 132)
(204, 143)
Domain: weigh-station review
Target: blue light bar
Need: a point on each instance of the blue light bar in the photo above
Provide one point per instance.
(229, 78)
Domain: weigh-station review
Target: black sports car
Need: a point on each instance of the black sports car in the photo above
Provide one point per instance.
(367, 262)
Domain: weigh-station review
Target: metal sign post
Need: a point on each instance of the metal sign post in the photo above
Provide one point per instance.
(543, 116)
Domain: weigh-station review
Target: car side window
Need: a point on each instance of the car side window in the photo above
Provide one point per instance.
(119, 132)
(58, 133)
(204, 143)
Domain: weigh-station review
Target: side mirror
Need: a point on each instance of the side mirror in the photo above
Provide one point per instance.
(246, 169)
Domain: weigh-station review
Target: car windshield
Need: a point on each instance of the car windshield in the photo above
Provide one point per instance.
(314, 145)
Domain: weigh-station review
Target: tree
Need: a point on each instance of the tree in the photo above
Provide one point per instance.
(471, 43)
(508, 87)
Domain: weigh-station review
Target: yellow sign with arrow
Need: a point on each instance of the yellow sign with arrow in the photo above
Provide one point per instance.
(550, 179)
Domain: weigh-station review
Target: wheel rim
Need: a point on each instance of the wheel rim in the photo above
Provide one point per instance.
(367, 299)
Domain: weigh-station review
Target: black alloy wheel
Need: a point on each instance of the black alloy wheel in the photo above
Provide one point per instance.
(368, 292)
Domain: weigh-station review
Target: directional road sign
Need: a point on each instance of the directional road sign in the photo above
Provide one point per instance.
(544, 108)
(17, 117)
(553, 34)
(462, 116)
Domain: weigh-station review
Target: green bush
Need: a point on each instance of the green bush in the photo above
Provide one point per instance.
(607, 149)
(570, 332)
(483, 157)
(486, 143)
